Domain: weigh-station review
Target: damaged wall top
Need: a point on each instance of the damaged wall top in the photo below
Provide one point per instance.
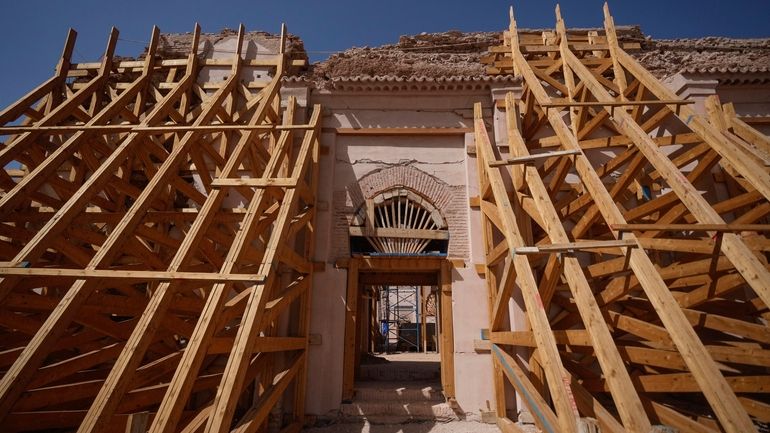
(458, 54)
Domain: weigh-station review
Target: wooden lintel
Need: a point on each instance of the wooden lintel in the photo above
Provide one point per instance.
(399, 131)
(390, 232)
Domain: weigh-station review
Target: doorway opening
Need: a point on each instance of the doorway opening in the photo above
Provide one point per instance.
(399, 324)
(399, 339)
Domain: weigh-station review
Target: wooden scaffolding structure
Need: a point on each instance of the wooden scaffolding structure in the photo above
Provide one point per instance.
(155, 236)
(632, 232)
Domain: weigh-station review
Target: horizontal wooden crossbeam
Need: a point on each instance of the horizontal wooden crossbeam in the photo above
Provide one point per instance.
(532, 158)
(389, 232)
(399, 131)
(129, 275)
(576, 246)
(616, 103)
(278, 182)
(722, 228)
(112, 129)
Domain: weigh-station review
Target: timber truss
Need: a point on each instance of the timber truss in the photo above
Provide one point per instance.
(632, 231)
(154, 233)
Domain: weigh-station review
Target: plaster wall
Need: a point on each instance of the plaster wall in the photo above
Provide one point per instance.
(356, 167)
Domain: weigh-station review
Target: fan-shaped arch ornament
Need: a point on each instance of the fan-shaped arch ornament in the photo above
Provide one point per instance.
(400, 221)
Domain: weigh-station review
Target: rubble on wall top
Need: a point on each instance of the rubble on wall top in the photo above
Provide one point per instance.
(178, 44)
(666, 57)
(458, 54)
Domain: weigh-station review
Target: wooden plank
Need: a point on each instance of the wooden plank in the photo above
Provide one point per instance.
(373, 131)
(402, 264)
(137, 276)
(447, 345)
(275, 182)
(576, 246)
(149, 130)
(531, 158)
(388, 232)
(545, 419)
(674, 102)
(255, 416)
(719, 228)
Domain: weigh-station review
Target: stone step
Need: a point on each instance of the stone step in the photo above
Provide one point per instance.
(380, 373)
(398, 392)
(390, 412)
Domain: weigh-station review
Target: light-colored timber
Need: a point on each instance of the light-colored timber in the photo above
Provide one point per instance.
(158, 229)
(625, 277)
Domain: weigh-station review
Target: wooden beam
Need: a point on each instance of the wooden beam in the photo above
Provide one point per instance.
(719, 228)
(576, 246)
(98, 274)
(275, 182)
(149, 130)
(531, 158)
(388, 232)
(399, 131)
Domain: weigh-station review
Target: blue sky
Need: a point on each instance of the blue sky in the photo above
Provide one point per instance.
(32, 31)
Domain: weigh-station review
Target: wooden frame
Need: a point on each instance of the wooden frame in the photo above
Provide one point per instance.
(630, 279)
(356, 268)
(116, 318)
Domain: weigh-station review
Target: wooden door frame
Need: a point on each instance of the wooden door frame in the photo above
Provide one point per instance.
(443, 269)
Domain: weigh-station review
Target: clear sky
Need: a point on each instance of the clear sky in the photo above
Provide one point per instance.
(32, 32)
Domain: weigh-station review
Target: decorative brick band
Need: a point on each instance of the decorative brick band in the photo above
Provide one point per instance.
(450, 200)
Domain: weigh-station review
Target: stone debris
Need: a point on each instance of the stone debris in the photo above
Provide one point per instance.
(175, 45)
(666, 57)
(457, 54)
(431, 55)
(454, 53)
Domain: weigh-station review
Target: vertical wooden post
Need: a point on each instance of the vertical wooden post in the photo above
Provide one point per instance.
(137, 422)
(351, 309)
(447, 333)
(423, 319)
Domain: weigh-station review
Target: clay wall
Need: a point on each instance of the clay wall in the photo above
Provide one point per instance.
(357, 167)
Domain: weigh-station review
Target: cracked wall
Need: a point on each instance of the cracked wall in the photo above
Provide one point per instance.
(356, 167)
